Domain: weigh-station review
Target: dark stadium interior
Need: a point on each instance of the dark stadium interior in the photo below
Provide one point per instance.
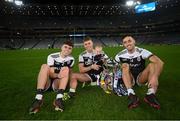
(39, 23)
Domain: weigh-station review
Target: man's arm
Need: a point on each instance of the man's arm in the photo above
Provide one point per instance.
(158, 64)
(83, 69)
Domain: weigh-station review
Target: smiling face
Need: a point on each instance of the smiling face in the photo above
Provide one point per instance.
(88, 45)
(129, 43)
(66, 50)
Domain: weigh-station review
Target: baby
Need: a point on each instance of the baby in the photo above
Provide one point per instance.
(100, 58)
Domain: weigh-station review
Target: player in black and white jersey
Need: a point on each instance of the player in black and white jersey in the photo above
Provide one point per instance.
(88, 68)
(134, 71)
(55, 75)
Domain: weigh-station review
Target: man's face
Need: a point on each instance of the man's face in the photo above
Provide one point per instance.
(88, 45)
(66, 50)
(129, 43)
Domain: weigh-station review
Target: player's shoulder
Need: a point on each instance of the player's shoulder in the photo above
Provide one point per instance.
(122, 52)
(70, 57)
(83, 53)
(55, 55)
(140, 50)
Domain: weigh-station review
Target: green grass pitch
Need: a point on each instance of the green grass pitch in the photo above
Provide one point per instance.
(19, 70)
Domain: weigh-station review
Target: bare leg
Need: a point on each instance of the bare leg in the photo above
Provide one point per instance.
(148, 75)
(126, 75)
(64, 77)
(60, 84)
(128, 81)
(42, 83)
(43, 76)
(78, 76)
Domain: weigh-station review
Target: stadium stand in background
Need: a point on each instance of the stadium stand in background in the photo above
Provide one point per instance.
(37, 25)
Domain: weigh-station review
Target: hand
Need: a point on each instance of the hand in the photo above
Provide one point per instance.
(95, 67)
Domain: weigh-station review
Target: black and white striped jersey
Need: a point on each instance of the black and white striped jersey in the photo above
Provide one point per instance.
(91, 58)
(135, 60)
(55, 60)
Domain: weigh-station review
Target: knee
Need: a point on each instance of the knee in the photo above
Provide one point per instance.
(44, 67)
(150, 65)
(64, 72)
(160, 63)
(73, 76)
(125, 67)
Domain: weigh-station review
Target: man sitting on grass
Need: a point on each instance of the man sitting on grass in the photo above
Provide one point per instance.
(55, 75)
(89, 69)
(134, 71)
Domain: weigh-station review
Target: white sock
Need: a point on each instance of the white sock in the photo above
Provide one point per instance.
(59, 96)
(39, 96)
(130, 91)
(115, 83)
(72, 90)
(150, 91)
(97, 82)
(93, 83)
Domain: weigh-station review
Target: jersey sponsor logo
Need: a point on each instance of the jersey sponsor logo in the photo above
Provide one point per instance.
(131, 56)
(57, 65)
(124, 59)
(88, 61)
(134, 65)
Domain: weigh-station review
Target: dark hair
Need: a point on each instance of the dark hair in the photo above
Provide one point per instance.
(87, 39)
(128, 36)
(68, 42)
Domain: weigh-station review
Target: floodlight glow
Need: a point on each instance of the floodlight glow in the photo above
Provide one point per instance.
(130, 3)
(77, 35)
(138, 2)
(18, 2)
(9, 1)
